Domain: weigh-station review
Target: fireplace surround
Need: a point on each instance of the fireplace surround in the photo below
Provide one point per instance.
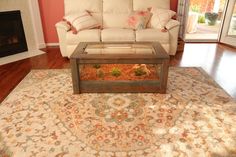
(29, 11)
(12, 36)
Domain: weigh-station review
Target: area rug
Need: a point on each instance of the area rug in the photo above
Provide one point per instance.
(42, 118)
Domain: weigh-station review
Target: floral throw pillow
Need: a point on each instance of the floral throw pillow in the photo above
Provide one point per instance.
(138, 19)
(160, 17)
(81, 21)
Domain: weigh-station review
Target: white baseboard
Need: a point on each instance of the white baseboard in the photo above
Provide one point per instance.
(20, 56)
(52, 44)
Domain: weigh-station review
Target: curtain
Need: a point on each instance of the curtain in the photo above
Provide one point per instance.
(181, 16)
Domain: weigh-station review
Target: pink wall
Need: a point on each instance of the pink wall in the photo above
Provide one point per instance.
(52, 11)
(173, 5)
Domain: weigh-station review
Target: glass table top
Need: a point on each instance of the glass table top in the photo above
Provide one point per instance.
(119, 49)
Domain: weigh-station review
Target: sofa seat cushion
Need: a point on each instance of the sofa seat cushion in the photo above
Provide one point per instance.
(118, 34)
(88, 35)
(152, 35)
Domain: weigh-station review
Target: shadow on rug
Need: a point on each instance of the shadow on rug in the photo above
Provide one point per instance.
(42, 117)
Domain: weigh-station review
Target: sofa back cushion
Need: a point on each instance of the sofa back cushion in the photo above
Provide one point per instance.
(116, 12)
(112, 13)
(79, 6)
(144, 4)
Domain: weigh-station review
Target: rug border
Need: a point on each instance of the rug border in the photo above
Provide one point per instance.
(20, 82)
(216, 83)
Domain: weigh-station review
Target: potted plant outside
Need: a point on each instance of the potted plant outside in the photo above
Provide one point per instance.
(211, 18)
(201, 19)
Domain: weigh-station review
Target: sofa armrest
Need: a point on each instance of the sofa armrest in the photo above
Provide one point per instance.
(62, 28)
(173, 29)
(63, 25)
(171, 24)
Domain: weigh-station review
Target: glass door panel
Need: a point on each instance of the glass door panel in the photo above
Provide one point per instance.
(229, 28)
(232, 26)
(204, 20)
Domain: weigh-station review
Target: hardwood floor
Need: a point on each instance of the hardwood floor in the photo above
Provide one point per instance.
(218, 60)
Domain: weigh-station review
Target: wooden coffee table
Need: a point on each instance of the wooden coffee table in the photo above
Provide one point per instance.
(88, 54)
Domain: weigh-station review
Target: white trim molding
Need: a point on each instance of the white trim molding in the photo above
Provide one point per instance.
(20, 56)
(30, 15)
(31, 19)
(41, 45)
(52, 44)
(37, 23)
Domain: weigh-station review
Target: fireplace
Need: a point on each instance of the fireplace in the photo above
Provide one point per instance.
(12, 36)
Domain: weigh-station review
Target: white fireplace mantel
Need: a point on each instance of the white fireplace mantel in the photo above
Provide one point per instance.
(32, 24)
(31, 20)
(37, 24)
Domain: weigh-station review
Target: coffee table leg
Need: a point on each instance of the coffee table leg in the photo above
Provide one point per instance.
(164, 76)
(75, 76)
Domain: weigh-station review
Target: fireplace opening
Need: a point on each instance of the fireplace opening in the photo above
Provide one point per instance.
(12, 36)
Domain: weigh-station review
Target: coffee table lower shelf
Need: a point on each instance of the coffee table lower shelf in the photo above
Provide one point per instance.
(145, 86)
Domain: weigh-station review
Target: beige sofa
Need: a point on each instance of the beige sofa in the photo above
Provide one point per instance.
(112, 15)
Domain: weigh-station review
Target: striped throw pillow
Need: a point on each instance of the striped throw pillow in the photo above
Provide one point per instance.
(160, 17)
(81, 21)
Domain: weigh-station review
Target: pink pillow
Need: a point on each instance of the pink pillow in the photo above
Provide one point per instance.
(81, 21)
(160, 17)
(138, 19)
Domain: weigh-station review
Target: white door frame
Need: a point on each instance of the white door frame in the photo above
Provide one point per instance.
(186, 8)
(225, 38)
(204, 40)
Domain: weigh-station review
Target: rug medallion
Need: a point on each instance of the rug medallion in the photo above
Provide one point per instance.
(42, 117)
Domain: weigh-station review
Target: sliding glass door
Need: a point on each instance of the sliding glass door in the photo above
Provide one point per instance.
(204, 20)
(228, 35)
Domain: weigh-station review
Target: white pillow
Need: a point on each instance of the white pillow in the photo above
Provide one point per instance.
(160, 17)
(81, 21)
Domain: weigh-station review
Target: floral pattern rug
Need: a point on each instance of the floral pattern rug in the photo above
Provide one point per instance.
(43, 118)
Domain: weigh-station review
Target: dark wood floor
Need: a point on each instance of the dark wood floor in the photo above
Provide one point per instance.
(218, 60)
